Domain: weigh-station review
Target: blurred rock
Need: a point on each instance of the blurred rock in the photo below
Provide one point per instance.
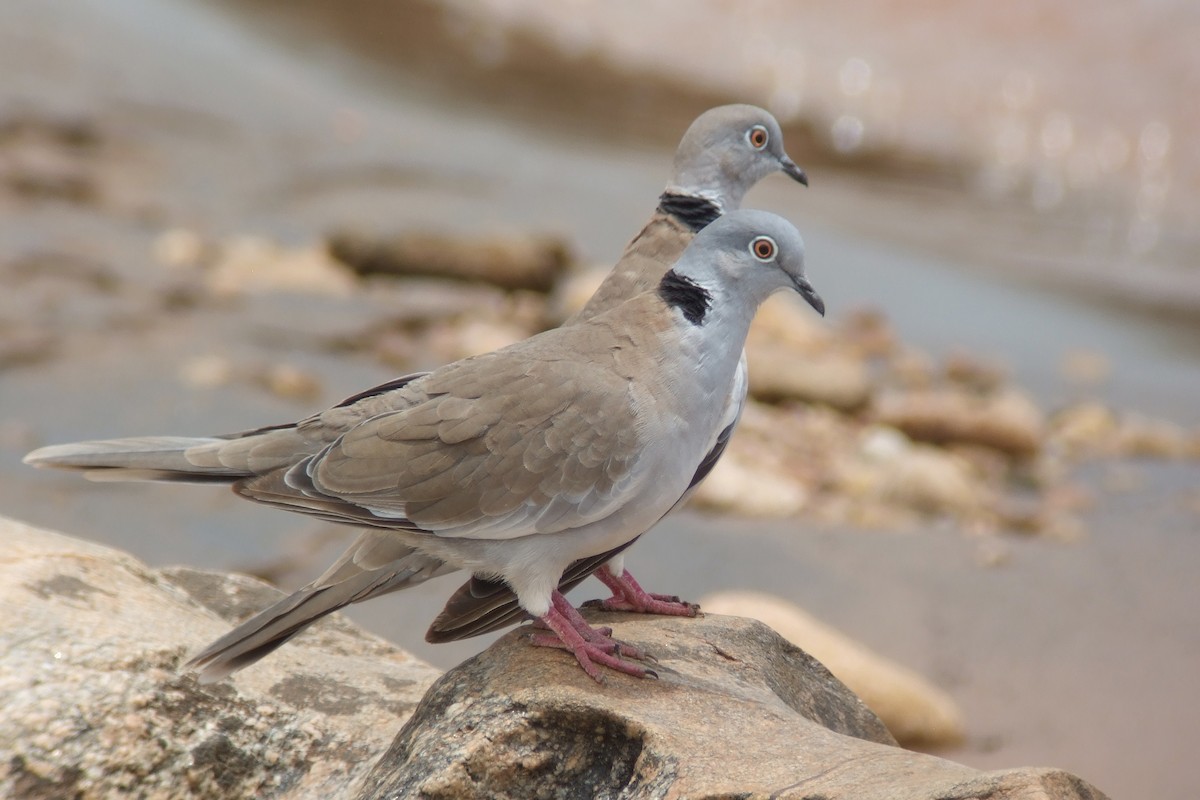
(974, 373)
(46, 158)
(917, 713)
(750, 488)
(510, 262)
(787, 322)
(248, 264)
(573, 291)
(869, 333)
(22, 346)
(1084, 428)
(778, 373)
(180, 248)
(291, 383)
(1093, 430)
(90, 642)
(894, 470)
(737, 711)
(1007, 421)
(910, 368)
(207, 372)
(1143, 437)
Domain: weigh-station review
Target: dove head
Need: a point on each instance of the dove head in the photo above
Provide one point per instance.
(735, 264)
(726, 151)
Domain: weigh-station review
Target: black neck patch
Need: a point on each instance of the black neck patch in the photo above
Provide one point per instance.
(692, 210)
(685, 294)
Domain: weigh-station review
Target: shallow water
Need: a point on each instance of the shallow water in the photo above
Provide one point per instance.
(224, 129)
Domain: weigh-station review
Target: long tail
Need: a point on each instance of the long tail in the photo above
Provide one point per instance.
(375, 564)
(144, 458)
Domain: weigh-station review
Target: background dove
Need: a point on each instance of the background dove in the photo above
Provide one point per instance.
(519, 462)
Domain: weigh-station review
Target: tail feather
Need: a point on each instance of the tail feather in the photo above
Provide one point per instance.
(352, 579)
(141, 458)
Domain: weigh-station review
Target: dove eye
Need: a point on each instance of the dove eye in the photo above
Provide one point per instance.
(763, 248)
(757, 137)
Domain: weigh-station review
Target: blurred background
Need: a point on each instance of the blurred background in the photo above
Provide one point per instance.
(983, 464)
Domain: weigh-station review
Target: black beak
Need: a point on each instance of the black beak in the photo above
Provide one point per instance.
(810, 295)
(792, 171)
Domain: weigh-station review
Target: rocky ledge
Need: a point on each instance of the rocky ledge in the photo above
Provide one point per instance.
(94, 706)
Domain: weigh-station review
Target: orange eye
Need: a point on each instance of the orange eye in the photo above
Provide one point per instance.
(757, 136)
(763, 248)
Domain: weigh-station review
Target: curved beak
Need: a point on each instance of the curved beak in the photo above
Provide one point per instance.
(809, 294)
(794, 172)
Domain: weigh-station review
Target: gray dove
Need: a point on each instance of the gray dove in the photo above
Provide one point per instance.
(513, 464)
(725, 152)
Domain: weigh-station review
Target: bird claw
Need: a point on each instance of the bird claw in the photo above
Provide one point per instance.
(629, 596)
(592, 647)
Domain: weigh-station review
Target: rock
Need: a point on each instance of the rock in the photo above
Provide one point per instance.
(835, 379)
(209, 371)
(973, 372)
(787, 321)
(1007, 420)
(1144, 437)
(290, 382)
(510, 262)
(736, 712)
(91, 641)
(248, 264)
(869, 332)
(910, 368)
(573, 291)
(934, 482)
(1091, 429)
(750, 489)
(793, 356)
(180, 248)
(1086, 428)
(892, 469)
(90, 644)
(917, 713)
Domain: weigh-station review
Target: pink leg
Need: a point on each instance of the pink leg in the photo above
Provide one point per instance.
(590, 646)
(629, 596)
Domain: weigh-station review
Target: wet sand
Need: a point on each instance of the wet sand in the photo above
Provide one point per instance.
(1074, 655)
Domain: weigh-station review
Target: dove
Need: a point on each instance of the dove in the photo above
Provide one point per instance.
(512, 464)
(725, 152)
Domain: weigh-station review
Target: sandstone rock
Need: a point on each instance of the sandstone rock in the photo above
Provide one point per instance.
(510, 262)
(90, 641)
(869, 332)
(94, 707)
(892, 469)
(1145, 437)
(1007, 421)
(974, 373)
(1086, 428)
(779, 373)
(248, 264)
(736, 712)
(787, 320)
(750, 489)
(573, 291)
(917, 713)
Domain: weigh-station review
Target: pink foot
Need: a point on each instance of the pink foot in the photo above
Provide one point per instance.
(590, 646)
(629, 596)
